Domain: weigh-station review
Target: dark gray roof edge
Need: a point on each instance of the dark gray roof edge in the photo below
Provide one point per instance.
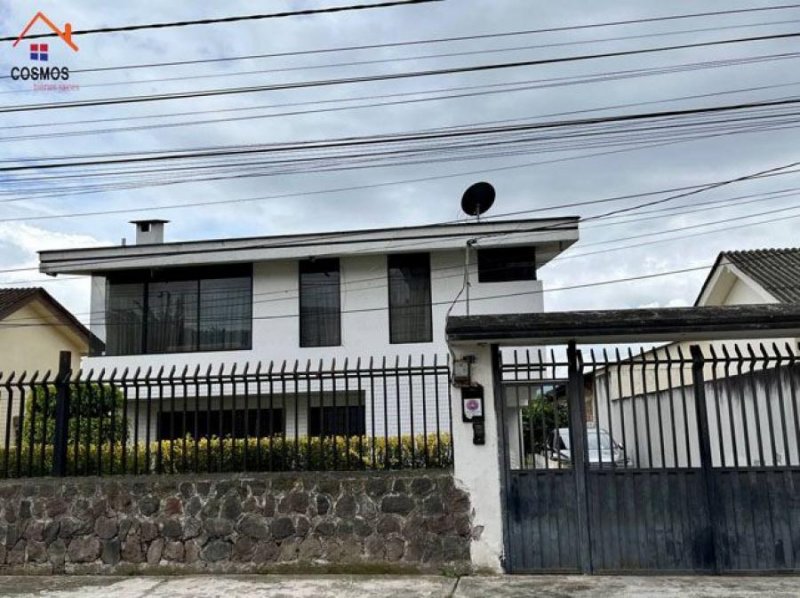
(630, 325)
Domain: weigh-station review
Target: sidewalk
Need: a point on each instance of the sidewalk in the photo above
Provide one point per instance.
(346, 586)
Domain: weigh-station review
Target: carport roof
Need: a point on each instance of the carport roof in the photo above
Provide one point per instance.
(629, 325)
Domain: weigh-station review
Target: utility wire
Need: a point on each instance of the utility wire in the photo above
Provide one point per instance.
(237, 19)
(393, 60)
(443, 39)
(512, 87)
(339, 238)
(384, 76)
(528, 85)
(317, 144)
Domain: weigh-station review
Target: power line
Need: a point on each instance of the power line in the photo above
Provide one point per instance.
(446, 39)
(510, 87)
(236, 19)
(394, 60)
(223, 151)
(677, 210)
(539, 84)
(384, 76)
(330, 239)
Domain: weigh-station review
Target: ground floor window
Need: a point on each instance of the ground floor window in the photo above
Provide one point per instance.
(236, 423)
(344, 420)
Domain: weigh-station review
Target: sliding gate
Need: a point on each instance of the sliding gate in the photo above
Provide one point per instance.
(684, 461)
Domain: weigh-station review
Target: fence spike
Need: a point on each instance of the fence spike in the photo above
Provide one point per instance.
(258, 368)
(296, 366)
(271, 364)
(778, 354)
(46, 378)
(246, 368)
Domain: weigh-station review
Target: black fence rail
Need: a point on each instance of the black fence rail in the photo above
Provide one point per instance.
(641, 406)
(288, 416)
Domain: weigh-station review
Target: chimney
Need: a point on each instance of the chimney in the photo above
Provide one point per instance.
(149, 232)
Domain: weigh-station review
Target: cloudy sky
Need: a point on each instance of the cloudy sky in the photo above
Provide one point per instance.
(31, 211)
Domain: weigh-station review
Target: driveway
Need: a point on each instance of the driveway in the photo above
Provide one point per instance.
(345, 586)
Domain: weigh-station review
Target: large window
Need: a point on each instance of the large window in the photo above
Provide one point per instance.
(410, 298)
(179, 310)
(320, 304)
(506, 264)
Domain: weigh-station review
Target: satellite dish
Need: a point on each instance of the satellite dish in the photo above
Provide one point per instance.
(478, 199)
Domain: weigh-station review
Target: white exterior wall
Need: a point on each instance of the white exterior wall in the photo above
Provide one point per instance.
(364, 327)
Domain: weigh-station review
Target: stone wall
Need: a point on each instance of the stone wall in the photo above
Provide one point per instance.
(246, 523)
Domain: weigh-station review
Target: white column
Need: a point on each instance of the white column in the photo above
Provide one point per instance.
(477, 468)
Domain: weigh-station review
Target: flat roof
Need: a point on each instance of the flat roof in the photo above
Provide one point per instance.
(550, 235)
(727, 322)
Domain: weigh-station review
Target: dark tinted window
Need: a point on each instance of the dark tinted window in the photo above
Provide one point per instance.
(205, 424)
(125, 318)
(179, 310)
(337, 421)
(320, 303)
(506, 264)
(410, 298)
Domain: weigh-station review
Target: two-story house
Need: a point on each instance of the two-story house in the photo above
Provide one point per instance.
(306, 298)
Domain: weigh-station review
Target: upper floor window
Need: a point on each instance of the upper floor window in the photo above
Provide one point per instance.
(320, 303)
(410, 298)
(179, 310)
(507, 264)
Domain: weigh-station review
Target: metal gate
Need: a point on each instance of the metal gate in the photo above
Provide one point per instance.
(685, 461)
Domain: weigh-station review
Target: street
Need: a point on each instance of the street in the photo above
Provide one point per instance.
(343, 586)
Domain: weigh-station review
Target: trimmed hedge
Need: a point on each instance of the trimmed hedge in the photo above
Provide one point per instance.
(271, 453)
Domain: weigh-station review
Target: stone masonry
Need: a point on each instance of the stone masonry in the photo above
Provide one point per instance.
(234, 523)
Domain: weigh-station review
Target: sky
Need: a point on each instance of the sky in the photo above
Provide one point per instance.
(32, 214)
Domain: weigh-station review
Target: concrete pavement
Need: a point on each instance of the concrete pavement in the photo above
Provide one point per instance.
(346, 586)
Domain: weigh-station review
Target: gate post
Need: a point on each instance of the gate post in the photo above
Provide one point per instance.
(577, 433)
(62, 414)
(704, 438)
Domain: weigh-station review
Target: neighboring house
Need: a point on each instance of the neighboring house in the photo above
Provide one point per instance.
(34, 329)
(737, 278)
(307, 298)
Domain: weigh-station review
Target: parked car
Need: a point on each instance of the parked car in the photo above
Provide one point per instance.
(602, 449)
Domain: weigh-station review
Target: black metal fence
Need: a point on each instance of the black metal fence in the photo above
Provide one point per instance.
(677, 458)
(268, 417)
(641, 411)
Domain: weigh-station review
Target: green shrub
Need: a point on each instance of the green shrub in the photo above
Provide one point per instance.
(90, 414)
(185, 455)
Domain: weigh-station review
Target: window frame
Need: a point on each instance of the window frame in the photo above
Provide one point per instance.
(197, 274)
(429, 337)
(300, 273)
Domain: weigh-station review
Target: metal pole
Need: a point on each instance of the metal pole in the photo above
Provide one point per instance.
(577, 432)
(706, 465)
(61, 414)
